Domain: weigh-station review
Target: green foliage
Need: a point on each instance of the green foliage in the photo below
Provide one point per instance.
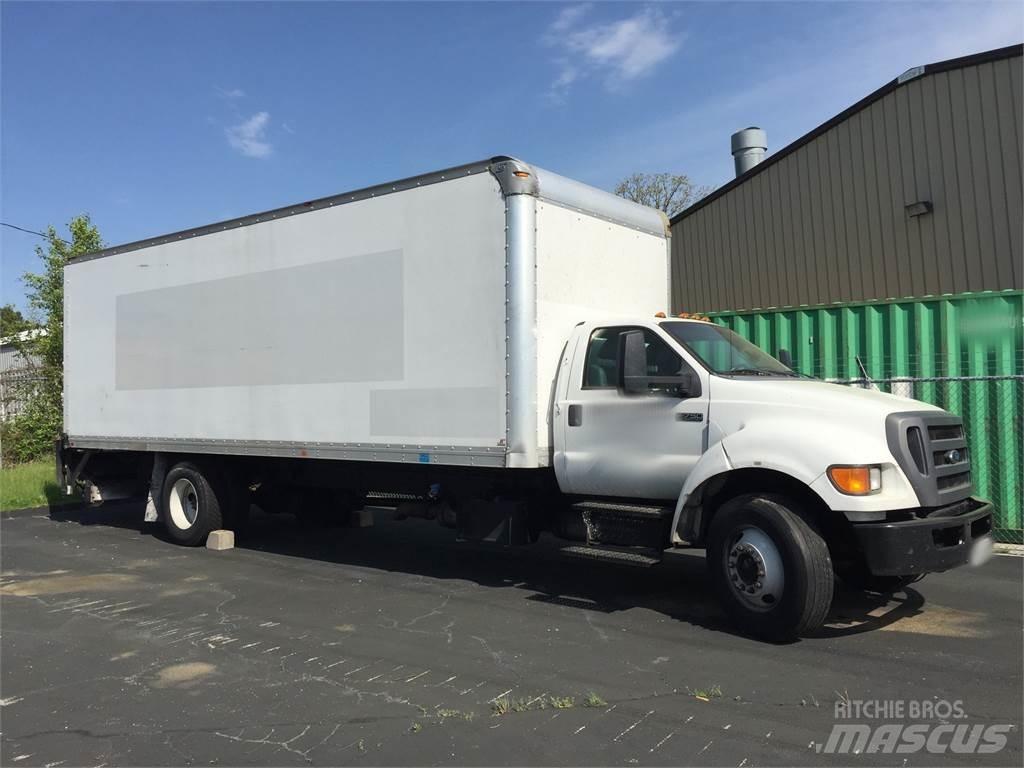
(593, 700)
(668, 192)
(706, 694)
(30, 485)
(33, 431)
(12, 321)
(501, 706)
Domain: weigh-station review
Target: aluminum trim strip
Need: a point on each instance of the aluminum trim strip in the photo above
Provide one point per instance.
(394, 453)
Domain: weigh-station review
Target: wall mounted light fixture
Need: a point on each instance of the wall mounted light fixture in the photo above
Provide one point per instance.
(920, 208)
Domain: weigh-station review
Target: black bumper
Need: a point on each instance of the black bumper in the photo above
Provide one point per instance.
(936, 542)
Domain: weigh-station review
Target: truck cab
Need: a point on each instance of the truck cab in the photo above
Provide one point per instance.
(787, 481)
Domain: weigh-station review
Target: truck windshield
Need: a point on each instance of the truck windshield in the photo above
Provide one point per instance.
(725, 352)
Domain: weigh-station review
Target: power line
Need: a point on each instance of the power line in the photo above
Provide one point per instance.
(33, 232)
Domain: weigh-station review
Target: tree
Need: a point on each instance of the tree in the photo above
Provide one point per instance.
(12, 321)
(668, 192)
(31, 432)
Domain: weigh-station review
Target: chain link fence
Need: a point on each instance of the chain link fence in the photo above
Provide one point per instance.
(992, 408)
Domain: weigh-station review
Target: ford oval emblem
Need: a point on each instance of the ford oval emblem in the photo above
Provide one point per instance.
(952, 456)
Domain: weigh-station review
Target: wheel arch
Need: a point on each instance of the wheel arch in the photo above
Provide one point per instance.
(707, 498)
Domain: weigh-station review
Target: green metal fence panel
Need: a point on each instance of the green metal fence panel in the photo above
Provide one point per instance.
(964, 353)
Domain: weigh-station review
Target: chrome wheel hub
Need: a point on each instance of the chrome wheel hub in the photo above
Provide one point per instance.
(183, 504)
(754, 568)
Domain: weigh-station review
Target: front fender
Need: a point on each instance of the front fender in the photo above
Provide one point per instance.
(715, 461)
(804, 449)
(804, 455)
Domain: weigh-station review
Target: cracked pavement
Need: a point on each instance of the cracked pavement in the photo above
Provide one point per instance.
(395, 645)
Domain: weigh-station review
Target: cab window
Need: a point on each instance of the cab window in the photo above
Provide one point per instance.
(602, 363)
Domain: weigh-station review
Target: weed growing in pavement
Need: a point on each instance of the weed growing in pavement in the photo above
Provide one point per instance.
(706, 694)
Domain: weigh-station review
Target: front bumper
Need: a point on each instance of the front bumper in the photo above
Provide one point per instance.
(941, 540)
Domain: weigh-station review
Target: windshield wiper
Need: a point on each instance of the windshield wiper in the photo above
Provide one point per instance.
(760, 372)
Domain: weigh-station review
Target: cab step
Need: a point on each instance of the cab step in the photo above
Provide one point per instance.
(624, 509)
(643, 557)
(623, 523)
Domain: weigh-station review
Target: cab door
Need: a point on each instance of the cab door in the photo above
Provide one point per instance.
(630, 446)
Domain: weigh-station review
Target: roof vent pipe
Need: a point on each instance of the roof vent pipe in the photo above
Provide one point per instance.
(748, 148)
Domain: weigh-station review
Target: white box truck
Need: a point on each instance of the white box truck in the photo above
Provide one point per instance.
(486, 346)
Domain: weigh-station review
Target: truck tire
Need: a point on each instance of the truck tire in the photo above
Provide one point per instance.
(191, 504)
(771, 570)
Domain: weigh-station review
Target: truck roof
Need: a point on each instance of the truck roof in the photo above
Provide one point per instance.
(548, 185)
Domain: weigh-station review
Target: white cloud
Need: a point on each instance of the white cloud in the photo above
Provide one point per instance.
(617, 51)
(230, 94)
(249, 136)
(569, 16)
(836, 62)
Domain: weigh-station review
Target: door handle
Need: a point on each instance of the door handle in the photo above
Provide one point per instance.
(575, 415)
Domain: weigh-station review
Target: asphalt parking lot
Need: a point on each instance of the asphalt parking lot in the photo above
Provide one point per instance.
(395, 645)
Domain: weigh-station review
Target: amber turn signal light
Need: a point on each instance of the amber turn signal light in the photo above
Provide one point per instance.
(856, 480)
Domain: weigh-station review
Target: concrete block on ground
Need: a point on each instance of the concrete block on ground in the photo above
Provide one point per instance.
(220, 539)
(362, 518)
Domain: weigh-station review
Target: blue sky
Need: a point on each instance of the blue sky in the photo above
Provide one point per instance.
(154, 117)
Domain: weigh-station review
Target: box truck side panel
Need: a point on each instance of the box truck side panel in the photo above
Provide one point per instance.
(588, 267)
(373, 326)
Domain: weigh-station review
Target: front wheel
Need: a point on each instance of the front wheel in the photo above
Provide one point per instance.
(770, 568)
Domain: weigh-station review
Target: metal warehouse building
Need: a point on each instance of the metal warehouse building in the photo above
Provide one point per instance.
(884, 249)
(913, 191)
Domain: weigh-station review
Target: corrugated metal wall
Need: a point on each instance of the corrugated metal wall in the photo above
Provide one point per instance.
(827, 222)
(17, 376)
(964, 354)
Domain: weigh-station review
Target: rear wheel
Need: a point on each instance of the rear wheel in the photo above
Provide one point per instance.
(770, 568)
(192, 506)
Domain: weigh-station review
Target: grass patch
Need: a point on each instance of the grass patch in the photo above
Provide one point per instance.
(501, 705)
(593, 700)
(447, 714)
(707, 694)
(504, 705)
(525, 705)
(31, 485)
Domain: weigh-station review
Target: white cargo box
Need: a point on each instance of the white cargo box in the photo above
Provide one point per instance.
(417, 321)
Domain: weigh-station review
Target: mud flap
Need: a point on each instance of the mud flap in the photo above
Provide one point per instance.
(501, 522)
(156, 485)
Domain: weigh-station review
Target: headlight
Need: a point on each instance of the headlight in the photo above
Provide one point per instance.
(856, 480)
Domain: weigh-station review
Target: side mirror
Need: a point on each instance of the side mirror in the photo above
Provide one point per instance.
(786, 358)
(633, 378)
(689, 384)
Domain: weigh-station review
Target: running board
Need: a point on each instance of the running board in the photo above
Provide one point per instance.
(624, 524)
(623, 509)
(638, 556)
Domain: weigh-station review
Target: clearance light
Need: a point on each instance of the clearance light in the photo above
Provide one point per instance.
(520, 174)
(856, 480)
